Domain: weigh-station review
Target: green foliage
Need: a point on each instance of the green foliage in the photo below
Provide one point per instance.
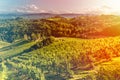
(78, 27)
(58, 59)
(44, 42)
(34, 52)
(4, 72)
(109, 72)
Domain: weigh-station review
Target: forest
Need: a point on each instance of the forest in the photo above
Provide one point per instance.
(86, 27)
(85, 47)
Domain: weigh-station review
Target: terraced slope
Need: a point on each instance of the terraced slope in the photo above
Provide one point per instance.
(63, 59)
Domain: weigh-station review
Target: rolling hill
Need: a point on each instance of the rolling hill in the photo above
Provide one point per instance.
(59, 48)
(61, 59)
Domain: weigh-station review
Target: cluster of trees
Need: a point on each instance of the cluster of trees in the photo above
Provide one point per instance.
(12, 29)
(80, 27)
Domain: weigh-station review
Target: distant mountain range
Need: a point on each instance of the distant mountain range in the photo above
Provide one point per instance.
(37, 15)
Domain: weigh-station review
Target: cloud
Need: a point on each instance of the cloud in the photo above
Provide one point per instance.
(35, 9)
(32, 7)
(28, 9)
(106, 7)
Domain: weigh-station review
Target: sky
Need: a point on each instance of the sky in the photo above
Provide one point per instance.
(60, 6)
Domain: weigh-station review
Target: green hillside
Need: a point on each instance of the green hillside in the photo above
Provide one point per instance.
(59, 60)
(15, 48)
(57, 48)
(2, 44)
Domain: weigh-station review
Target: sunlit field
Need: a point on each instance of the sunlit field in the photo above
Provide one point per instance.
(59, 39)
(86, 47)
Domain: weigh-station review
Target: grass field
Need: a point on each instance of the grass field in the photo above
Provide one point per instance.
(2, 44)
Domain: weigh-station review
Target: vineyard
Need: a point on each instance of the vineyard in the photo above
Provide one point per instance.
(59, 40)
(59, 48)
(60, 60)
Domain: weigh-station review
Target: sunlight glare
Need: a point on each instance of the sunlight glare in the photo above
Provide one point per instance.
(114, 5)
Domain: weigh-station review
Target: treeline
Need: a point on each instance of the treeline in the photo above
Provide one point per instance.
(78, 27)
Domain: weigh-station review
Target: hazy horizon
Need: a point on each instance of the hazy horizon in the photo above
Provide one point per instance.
(60, 7)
